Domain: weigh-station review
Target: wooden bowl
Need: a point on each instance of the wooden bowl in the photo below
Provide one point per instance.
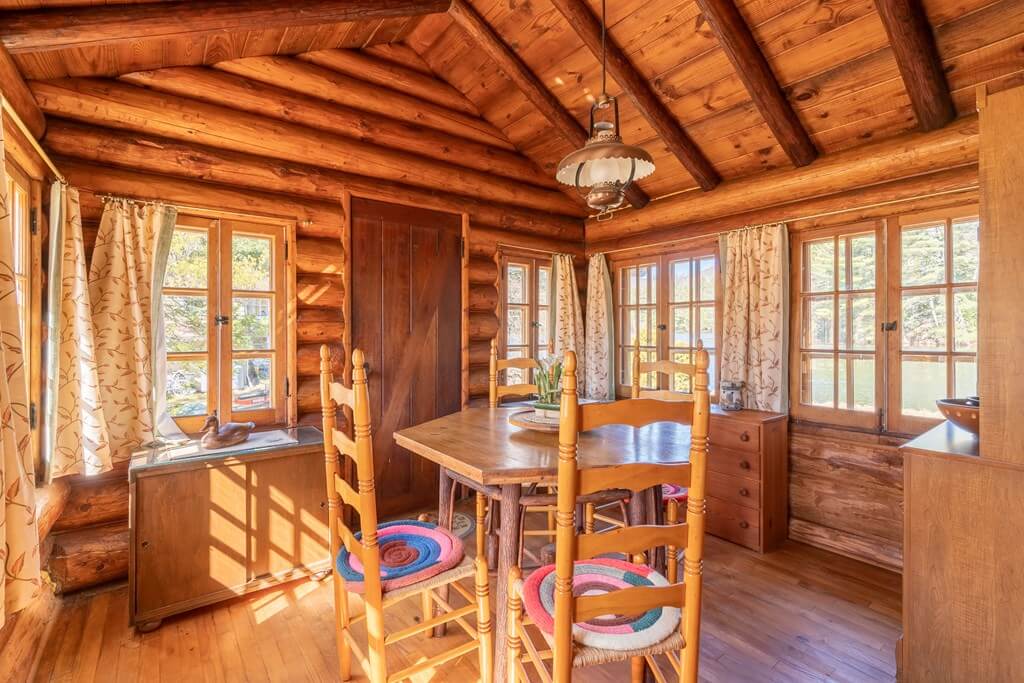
(957, 411)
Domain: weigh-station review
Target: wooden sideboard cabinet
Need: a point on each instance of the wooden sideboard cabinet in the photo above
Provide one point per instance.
(204, 529)
(748, 478)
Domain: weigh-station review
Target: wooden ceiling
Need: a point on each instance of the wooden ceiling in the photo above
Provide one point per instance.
(837, 81)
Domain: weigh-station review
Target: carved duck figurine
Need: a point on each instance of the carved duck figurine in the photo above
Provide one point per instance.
(216, 435)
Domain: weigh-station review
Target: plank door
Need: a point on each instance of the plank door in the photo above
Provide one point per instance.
(406, 317)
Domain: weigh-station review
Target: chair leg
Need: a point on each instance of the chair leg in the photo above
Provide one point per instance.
(375, 644)
(481, 526)
(637, 669)
(341, 614)
(485, 644)
(515, 618)
(428, 609)
(672, 559)
(522, 536)
(551, 513)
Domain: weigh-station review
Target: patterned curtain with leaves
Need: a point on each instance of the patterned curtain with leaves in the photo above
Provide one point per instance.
(755, 314)
(600, 340)
(124, 286)
(568, 315)
(75, 438)
(19, 536)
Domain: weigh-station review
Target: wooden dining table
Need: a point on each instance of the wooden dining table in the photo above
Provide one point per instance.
(479, 448)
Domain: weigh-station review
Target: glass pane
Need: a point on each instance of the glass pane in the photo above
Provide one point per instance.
(542, 330)
(681, 326)
(707, 326)
(515, 334)
(187, 260)
(187, 384)
(629, 285)
(856, 321)
(819, 266)
(861, 263)
(923, 255)
(857, 382)
(185, 323)
(648, 320)
(544, 286)
(712, 379)
(965, 377)
(924, 322)
(629, 328)
(251, 328)
(250, 263)
(707, 279)
(250, 384)
(680, 380)
(515, 375)
(818, 380)
(965, 320)
(516, 284)
(680, 281)
(923, 381)
(819, 324)
(644, 286)
(649, 380)
(965, 251)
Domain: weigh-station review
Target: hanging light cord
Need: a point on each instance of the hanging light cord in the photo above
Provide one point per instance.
(604, 49)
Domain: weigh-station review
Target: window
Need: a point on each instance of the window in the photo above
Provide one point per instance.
(668, 313)
(526, 297)
(225, 321)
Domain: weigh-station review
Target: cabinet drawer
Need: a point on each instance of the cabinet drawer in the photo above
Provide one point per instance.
(733, 523)
(734, 434)
(734, 463)
(737, 490)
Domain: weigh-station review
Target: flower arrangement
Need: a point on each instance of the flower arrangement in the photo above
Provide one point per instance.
(549, 383)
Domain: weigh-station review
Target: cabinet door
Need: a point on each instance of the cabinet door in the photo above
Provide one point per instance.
(190, 538)
(288, 514)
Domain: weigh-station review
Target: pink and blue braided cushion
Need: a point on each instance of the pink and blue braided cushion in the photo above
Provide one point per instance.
(410, 552)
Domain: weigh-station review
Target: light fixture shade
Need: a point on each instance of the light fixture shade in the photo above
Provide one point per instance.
(603, 161)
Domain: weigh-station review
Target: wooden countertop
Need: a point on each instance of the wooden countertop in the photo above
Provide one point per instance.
(945, 439)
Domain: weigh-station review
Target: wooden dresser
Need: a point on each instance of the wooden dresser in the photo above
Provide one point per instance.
(204, 529)
(748, 489)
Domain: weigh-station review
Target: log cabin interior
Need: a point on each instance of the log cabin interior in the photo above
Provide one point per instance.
(639, 339)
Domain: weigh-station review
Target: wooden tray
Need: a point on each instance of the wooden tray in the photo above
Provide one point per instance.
(527, 419)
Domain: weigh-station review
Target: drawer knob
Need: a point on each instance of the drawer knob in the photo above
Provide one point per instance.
(744, 437)
(744, 465)
(744, 492)
(744, 524)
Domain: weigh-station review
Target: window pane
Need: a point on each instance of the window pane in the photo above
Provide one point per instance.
(965, 377)
(542, 330)
(187, 384)
(857, 382)
(250, 263)
(648, 318)
(965, 320)
(680, 281)
(515, 375)
(923, 255)
(861, 263)
(251, 324)
(707, 279)
(924, 322)
(250, 384)
(516, 330)
(707, 326)
(819, 323)
(923, 382)
(517, 284)
(185, 323)
(856, 321)
(629, 328)
(544, 286)
(818, 385)
(681, 326)
(629, 285)
(680, 380)
(820, 266)
(649, 380)
(965, 251)
(187, 260)
(712, 380)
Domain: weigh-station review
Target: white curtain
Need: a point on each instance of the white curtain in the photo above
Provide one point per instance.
(755, 303)
(600, 335)
(19, 536)
(75, 437)
(568, 332)
(125, 281)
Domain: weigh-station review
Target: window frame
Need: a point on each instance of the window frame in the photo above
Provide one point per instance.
(837, 416)
(534, 262)
(219, 353)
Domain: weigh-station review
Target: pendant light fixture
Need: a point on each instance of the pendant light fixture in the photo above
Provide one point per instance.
(604, 168)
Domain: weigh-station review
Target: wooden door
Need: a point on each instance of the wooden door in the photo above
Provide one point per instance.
(406, 317)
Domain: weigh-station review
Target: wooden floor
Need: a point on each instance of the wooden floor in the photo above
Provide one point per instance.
(799, 614)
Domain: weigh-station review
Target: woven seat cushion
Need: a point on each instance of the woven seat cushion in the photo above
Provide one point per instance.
(611, 632)
(410, 552)
(674, 492)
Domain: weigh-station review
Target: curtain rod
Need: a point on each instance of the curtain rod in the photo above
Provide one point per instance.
(5, 106)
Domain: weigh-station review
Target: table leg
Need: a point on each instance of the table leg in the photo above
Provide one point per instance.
(508, 544)
(445, 514)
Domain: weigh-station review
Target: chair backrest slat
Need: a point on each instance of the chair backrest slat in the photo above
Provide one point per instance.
(636, 412)
(660, 367)
(629, 601)
(497, 391)
(349, 540)
(342, 395)
(347, 493)
(344, 444)
(631, 540)
(635, 477)
(521, 363)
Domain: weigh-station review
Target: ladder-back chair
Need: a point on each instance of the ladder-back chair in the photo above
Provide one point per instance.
(498, 391)
(426, 557)
(617, 600)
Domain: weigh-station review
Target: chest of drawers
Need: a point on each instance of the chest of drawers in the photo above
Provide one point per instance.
(747, 492)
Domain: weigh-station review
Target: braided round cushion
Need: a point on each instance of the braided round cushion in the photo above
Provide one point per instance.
(674, 492)
(409, 552)
(594, 577)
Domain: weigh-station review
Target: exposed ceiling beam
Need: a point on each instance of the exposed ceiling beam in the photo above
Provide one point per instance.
(62, 27)
(917, 57)
(588, 27)
(520, 74)
(14, 89)
(750, 64)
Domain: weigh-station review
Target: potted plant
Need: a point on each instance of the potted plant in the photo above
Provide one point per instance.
(549, 387)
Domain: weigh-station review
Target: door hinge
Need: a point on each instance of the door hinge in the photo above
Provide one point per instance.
(33, 416)
(889, 327)
(221, 320)
(33, 221)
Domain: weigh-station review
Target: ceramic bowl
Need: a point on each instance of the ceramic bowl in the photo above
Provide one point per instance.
(960, 413)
